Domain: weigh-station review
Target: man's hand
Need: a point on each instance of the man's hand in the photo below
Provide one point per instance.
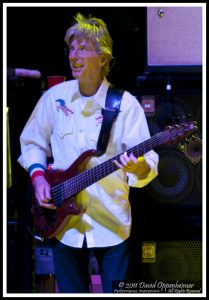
(42, 192)
(131, 164)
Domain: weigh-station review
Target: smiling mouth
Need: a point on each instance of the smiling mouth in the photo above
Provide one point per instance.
(77, 66)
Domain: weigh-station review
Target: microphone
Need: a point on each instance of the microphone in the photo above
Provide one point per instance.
(20, 72)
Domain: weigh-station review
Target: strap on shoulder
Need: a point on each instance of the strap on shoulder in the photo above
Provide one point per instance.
(110, 113)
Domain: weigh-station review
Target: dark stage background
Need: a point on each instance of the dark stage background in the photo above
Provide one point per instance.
(167, 214)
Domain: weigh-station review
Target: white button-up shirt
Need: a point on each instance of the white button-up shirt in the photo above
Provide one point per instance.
(63, 125)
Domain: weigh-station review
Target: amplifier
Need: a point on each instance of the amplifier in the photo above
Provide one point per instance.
(44, 261)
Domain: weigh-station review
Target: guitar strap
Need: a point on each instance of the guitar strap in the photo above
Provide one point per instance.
(110, 113)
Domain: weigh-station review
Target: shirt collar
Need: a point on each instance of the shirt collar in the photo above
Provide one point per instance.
(100, 95)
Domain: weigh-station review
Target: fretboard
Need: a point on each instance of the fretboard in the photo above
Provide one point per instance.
(82, 180)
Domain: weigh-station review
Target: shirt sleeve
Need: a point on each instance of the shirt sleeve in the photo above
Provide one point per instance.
(35, 137)
(136, 131)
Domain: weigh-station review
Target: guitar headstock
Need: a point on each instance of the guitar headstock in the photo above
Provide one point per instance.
(180, 131)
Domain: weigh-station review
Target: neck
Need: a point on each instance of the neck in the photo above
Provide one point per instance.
(89, 88)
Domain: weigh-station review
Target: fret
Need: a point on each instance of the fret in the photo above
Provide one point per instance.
(81, 181)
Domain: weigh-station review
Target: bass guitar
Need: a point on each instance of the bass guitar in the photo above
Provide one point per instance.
(66, 184)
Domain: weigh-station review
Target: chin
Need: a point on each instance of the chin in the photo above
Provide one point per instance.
(76, 75)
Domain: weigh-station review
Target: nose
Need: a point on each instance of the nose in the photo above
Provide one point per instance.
(73, 53)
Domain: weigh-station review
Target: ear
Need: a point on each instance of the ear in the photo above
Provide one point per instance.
(103, 59)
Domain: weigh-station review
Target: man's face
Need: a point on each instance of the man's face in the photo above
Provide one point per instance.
(85, 62)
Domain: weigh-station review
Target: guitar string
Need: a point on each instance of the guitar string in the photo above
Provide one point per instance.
(82, 180)
(75, 184)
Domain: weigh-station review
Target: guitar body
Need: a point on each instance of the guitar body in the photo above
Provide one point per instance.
(49, 221)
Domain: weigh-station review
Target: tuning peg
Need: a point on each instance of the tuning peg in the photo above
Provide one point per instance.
(195, 124)
(194, 137)
(181, 146)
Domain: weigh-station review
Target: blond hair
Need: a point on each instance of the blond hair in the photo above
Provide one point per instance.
(96, 30)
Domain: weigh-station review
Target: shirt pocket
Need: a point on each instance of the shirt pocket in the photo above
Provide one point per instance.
(63, 130)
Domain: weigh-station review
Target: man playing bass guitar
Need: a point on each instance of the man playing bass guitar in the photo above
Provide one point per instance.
(66, 123)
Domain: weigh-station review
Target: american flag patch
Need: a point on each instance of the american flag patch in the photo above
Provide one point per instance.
(62, 107)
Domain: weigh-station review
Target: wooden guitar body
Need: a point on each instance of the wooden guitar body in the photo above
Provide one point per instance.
(49, 221)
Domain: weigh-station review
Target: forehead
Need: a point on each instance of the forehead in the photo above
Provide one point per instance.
(81, 40)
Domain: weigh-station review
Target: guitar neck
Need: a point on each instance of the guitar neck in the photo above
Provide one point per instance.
(90, 176)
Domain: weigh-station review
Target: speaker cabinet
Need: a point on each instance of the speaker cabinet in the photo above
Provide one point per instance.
(173, 200)
(173, 262)
(174, 36)
(179, 182)
(176, 260)
(166, 236)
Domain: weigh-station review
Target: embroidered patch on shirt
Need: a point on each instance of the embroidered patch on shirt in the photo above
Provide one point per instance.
(62, 107)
